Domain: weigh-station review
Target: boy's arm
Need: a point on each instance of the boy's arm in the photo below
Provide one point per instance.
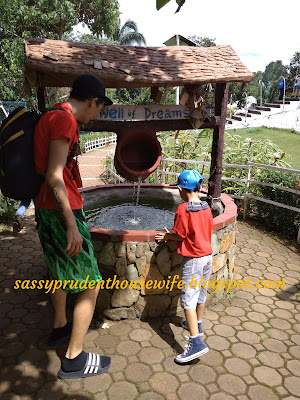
(58, 152)
(167, 235)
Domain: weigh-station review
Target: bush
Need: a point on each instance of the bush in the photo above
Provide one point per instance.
(276, 218)
(7, 207)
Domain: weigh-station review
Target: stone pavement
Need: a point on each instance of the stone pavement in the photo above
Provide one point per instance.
(253, 335)
(92, 165)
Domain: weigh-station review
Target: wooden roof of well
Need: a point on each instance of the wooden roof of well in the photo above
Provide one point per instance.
(56, 63)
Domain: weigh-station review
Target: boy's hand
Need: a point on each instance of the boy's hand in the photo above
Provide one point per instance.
(162, 236)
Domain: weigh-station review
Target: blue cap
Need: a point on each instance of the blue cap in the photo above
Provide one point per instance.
(189, 179)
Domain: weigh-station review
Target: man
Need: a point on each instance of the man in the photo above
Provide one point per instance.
(63, 233)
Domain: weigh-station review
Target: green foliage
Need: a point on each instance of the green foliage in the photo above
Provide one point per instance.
(202, 41)
(161, 3)
(129, 35)
(277, 218)
(7, 207)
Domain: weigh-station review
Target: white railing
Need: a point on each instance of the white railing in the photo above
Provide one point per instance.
(161, 173)
(94, 144)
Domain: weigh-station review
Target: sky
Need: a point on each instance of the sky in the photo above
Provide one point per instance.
(259, 31)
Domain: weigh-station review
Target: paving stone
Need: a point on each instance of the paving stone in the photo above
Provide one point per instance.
(237, 366)
(118, 363)
(203, 374)
(151, 355)
(106, 341)
(157, 367)
(128, 348)
(128, 390)
(277, 334)
(248, 337)
(274, 345)
(283, 371)
(52, 391)
(243, 350)
(183, 377)
(248, 379)
(151, 396)
(221, 396)
(268, 376)
(137, 373)
(259, 392)
(224, 330)
(120, 329)
(231, 321)
(140, 335)
(217, 343)
(231, 384)
(98, 383)
(164, 383)
(280, 324)
(192, 391)
(292, 384)
(294, 367)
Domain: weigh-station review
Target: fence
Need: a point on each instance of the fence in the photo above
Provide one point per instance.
(98, 143)
(161, 173)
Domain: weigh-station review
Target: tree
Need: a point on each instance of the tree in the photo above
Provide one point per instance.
(202, 41)
(21, 19)
(161, 3)
(128, 34)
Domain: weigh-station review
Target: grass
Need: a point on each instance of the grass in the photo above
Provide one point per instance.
(285, 139)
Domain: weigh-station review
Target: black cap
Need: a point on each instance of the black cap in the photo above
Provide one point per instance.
(88, 86)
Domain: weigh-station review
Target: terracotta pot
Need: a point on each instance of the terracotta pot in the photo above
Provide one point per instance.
(138, 154)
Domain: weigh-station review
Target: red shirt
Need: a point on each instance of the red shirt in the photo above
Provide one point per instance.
(195, 227)
(55, 124)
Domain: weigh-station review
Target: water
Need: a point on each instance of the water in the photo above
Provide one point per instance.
(130, 217)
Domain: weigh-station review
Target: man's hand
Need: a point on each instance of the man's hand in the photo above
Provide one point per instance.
(162, 236)
(74, 240)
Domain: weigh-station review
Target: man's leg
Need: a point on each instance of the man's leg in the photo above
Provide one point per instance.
(59, 298)
(200, 310)
(191, 318)
(83, 313)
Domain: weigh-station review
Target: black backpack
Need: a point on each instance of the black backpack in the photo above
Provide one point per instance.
(18, 178)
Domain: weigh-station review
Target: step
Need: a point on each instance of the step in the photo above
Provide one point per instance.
(236, 118)
(228, 121)
(281, 101)
(263, 108)
(243, 114)
(272, 105)
(252, 111)
(292, 98)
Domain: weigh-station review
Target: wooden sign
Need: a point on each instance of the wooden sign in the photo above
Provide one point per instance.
(144, 113)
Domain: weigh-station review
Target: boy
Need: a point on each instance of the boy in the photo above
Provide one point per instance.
(192, 230)
(63, 233)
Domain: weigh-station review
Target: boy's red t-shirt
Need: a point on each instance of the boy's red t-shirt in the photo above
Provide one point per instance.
(55, 124)
(195, 228)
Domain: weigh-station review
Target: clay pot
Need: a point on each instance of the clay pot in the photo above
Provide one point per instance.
(138, 154)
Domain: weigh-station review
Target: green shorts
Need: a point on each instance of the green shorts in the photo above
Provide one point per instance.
(52, 232)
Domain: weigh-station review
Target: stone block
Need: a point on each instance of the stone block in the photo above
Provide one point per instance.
(163, 260)
(120, 249)
(141, 264)
(231, 267)
(150, 257)
(174, 291)
(102, 302)
(124, 297)
(227, 241)
(131, 252)
(156, 306)
(175, 302)
(121, 265)
(219, 261)
(98, 244)
(231, 253)
(215, 243)
(107, 256)
(140, 307)
(225, 273)
(141, 249)
(153, 246)
(152, 273)
(131, 273)
(116, 314)
(176, 258)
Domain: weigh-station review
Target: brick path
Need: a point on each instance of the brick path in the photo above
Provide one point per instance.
(253, 336)
(91, 165)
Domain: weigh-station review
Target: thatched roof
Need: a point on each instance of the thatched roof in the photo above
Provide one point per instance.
(56, 63)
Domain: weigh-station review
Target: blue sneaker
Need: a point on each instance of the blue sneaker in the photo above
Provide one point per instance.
(195, 348)
(185, 326)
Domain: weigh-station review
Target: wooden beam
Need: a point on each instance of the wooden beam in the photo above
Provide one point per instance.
(221, 100)
(41, 97)
(155, 126)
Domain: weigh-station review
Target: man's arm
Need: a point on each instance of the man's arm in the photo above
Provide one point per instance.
(58, 152)
(167, 235)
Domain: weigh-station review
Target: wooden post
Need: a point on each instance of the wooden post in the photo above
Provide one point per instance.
(214, 184)
(40, 92)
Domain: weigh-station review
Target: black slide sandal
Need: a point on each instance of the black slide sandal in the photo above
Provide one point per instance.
(94, 365)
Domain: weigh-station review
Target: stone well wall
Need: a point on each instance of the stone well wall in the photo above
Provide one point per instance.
(134, 256)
